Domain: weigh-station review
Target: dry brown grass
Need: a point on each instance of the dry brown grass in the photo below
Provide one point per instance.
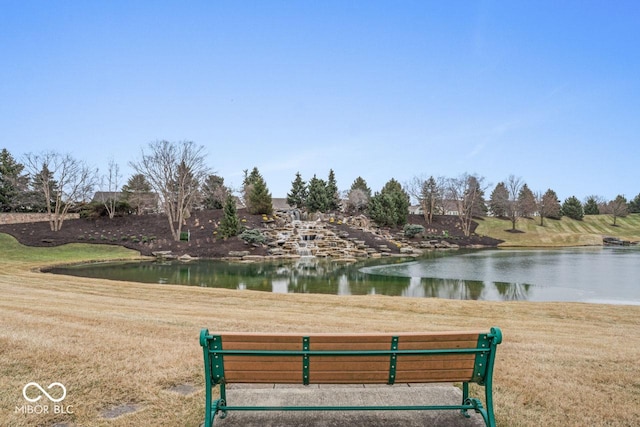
(112, 343)
(560, 233)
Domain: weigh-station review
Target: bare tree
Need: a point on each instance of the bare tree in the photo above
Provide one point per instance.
(429, 194)
(467, 192)
(540, 206)
(357, 200)
(110, 185)
(548, 205)
(64, 182)
(175, 171)
(617, 208)
(514, 184)
(414, 186)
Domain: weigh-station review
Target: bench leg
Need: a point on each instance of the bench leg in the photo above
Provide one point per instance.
(465, 399)
(490, 419)
(487, 414)
(215, 407)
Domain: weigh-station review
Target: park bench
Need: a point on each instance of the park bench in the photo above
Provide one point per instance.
(372, 358)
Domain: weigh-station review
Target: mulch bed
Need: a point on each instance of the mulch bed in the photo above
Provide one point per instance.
(150, 233)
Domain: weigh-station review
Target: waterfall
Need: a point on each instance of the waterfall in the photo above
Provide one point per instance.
(307, 235)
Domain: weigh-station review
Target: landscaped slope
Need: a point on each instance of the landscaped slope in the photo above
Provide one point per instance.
(563, 232)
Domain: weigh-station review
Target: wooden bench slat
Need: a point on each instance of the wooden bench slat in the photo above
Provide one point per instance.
(343, 377)
(264, 362)
(248, 336)
(347, 346)
(445, 375)
(320, 341)
(268, 377)
(426, 345)
(342, 364)
(262, 346)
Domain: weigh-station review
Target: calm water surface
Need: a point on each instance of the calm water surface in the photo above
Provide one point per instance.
(602, 275)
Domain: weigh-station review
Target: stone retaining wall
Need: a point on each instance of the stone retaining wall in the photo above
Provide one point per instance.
(21, 218)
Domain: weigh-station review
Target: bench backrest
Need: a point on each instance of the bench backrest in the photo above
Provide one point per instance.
(349, 358)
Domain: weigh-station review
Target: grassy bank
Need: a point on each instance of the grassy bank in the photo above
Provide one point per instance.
(113, 343)
(563, 232)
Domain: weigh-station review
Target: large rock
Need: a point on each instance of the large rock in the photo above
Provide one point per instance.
(238, 254)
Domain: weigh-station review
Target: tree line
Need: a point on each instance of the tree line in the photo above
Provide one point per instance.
(174, 176)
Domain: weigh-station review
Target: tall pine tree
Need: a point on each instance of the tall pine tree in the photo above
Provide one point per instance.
(257, 195)
(573, 208)
(526, 202)
(317, 201)
(333, 197)
(297, 198)
(390, 207)
(230, 223)
(499, 200)
(13, 184)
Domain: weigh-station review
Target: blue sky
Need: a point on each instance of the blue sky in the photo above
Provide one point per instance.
(547, 91)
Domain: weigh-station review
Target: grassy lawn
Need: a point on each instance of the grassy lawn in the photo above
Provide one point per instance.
(112, 343)
(564, 232)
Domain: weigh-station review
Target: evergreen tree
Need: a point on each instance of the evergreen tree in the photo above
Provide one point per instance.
(526, 202)
(257, 195)
(634, 205)
(401, 201)
(499, 200)
(591, 206)
(298, 196)
(230, 223)
(137, 193)
(573, 208)
(317, 200)
(382, 210)
(13, 184)
(390, 207)
(333, 197)
(214, 192)
(476, 195)
(45, 187)
(361, 184)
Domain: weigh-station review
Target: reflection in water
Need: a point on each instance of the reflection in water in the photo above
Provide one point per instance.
(592, 275)
(307, 275)
(513, 291)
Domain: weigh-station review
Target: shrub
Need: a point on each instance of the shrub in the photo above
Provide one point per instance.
(411, 230)
(253, 236)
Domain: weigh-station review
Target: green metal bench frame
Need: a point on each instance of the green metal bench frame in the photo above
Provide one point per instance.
(482, 375)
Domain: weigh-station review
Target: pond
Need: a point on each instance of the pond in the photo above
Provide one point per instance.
(599, 275)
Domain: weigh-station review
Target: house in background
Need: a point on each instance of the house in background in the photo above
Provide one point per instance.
(448, 207)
